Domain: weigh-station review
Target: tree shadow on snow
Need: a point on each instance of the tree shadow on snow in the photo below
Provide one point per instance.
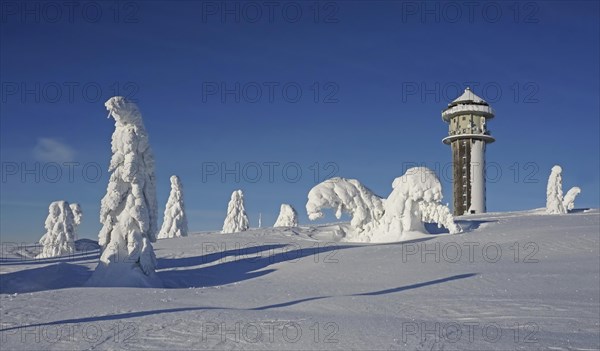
(578, 210)
(164, 263)
(85, 249)
(236, 265)
(51, 277)
(372, 293)
(262, 308)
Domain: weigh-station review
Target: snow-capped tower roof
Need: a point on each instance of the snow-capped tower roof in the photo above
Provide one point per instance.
(467, 103)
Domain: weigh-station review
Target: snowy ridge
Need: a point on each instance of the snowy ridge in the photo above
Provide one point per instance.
(360, 296)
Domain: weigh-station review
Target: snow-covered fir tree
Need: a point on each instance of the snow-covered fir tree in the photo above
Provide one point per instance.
(345, 196)
(77, 214)
(288, 217)
(554, 193)
(236, 220)
(59, 239)
(128, 211)
(415, 199)
(569, 199)
(174, 222)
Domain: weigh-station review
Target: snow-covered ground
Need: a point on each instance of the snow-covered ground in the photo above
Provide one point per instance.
(513, 281)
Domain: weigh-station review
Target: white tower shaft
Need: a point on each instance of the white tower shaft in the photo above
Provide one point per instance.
(467, 118)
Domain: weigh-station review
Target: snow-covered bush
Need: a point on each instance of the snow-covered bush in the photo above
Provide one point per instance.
(236, 220)
(287, 217)
(345, 195)
(554, 193)
(59, 239)
(569, 199)
(174, 222)
(128, 211)
(415, 199)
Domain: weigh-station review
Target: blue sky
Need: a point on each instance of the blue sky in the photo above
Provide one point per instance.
(353, 89)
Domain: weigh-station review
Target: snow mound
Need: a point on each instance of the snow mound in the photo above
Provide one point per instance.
(59, 239)
(175, 221)
(415, 200)
(236, 220)
(345, 195)
(288, 217)
(128, 211)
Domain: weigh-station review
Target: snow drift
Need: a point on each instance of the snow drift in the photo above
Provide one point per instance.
(287, 217)
(236, 219)
(60, 224)
(128, 211)
(415, 199)
(175, 221)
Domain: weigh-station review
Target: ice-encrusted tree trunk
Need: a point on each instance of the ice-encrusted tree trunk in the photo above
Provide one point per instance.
(128, 211)
(288, 217)
(569, 199)
(175, 221)
(554, 193)
(236, 220)
(59, 239)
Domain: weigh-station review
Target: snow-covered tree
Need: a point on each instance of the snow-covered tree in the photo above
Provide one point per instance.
(415, 199)
(59, 239)
(345, 195)
(554, 193)
(287, 217)
(236, 220)
(128, 211)
(569, 199)
(77, 213)
(174, 222)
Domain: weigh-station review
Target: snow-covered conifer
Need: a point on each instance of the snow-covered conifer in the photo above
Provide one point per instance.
(415, 199)
(59, 239)
(569, 199)
(554, 193)
(77, 213)
(236, 220)
(345, 195)
(287, 217)
(128, 211)
(174, 222)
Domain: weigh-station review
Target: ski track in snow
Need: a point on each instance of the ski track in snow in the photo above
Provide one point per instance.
(297, 290)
